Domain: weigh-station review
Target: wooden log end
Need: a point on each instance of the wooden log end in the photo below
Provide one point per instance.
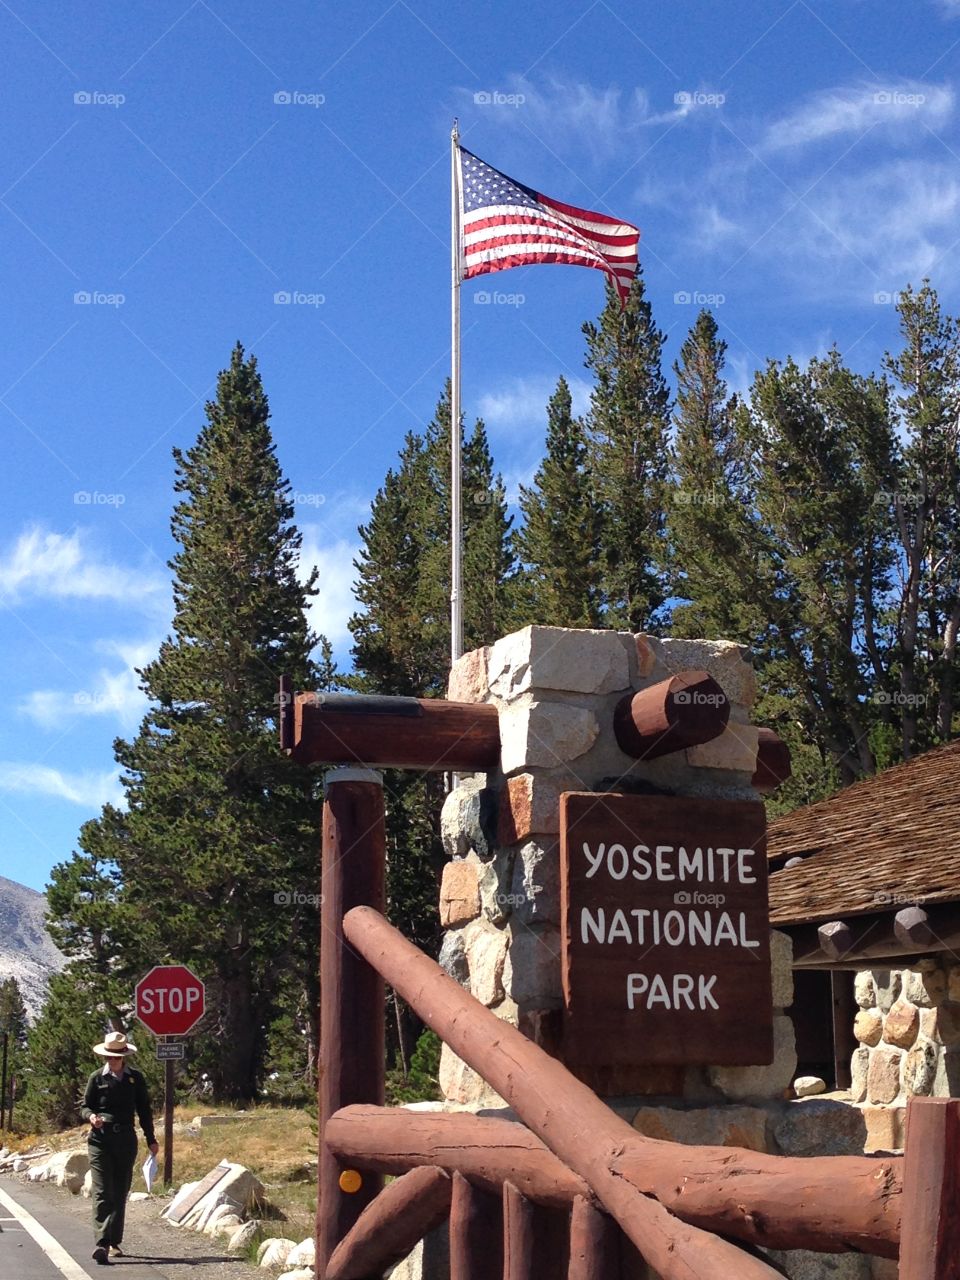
(836, 939)
(682, 711)
(773, 761)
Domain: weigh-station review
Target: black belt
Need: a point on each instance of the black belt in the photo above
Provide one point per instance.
(113, 1128)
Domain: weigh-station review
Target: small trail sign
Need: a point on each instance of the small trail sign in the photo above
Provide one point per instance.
(169, 1050)
(665, 943)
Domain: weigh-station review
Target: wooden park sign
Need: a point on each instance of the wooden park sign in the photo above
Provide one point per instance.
(665, 931)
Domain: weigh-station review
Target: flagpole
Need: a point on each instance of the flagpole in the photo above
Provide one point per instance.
(456, 488)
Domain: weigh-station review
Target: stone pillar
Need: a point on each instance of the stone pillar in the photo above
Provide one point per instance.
(556, 690)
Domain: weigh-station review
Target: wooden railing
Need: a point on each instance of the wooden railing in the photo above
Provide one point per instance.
(572, 1192)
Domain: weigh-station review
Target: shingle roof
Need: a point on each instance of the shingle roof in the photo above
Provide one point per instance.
(896, 834)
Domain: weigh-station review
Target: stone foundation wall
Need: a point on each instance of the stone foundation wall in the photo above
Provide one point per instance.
(556, 690)
(908, 1029)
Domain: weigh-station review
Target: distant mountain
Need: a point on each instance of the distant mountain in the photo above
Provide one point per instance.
(26, 951)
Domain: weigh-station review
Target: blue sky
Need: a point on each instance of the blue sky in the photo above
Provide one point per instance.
(169, 168)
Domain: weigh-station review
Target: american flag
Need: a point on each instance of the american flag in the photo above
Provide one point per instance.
(505, 224)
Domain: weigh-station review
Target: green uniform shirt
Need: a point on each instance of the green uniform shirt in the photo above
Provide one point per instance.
(118, 1099)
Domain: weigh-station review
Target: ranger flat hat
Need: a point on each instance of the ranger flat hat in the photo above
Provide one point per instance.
(115, 1045)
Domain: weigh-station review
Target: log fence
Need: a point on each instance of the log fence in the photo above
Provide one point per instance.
(570, 1191)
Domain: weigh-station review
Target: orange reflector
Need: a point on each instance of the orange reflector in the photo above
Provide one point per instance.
(350, 1181)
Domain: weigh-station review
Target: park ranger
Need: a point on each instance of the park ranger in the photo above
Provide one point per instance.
(115, 1093)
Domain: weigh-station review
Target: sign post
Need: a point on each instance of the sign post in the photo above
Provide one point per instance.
(665, 931)
(170, 1001)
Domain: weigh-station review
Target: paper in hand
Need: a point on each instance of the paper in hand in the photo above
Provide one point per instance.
(150, 1170)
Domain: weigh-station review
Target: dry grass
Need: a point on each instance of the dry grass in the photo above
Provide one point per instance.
(278, 1144)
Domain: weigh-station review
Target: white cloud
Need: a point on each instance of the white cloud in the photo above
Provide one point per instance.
(522, 402)
(856, 233)
(114, 693)
(50, 565)
(903, 105)
(572, 115)
(89, 790)
(332, 606)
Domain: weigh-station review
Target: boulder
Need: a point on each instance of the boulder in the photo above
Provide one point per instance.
(303, 1254)
(820, 1127)
(865, 989)
(486, 949)
(467, 681)
(766, 1081)
(901, 1024)
(883, 1078)
(868, 1026)
(545, 733)
(925, 989)
(564, 658)
(807, 1086)
(240, 1241)
(273, 1252)
(302, 1273)
(226, 1226)
(459, 893)
(238, 1187)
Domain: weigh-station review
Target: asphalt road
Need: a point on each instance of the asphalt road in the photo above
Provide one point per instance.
(46, 1234)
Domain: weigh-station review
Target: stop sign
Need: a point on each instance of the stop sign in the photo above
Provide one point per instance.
(169, 1000)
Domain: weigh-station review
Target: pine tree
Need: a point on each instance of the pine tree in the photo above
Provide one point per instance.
(925, 504)
(628, 424)
(215, 857)
(706, 519)
(559, 543)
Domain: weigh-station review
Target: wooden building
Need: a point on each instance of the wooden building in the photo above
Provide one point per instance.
(867, 885)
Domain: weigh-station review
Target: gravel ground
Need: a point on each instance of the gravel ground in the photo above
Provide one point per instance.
(175, 1253)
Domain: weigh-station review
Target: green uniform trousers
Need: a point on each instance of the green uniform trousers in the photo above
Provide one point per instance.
(112, 1156)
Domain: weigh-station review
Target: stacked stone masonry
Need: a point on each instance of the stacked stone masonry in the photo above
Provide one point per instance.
(908, 1042)
(556, 690)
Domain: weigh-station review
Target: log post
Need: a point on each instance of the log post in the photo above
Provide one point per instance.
(930, 1243)
(476, 1233)
(351, 993)
(518, 1235)
(390, 1226)
(578, 1127)
(683, 711)
(594, 1244)
(413, 733)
